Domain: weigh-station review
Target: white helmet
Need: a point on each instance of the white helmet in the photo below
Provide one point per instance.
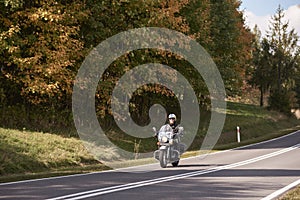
(172, 116)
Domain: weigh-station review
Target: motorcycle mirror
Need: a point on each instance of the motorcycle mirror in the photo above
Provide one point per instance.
(154, 129)
(180, 129)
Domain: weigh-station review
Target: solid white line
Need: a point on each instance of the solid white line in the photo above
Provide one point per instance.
(53, 178)
(267, 141)
(281, 191)
(241, 147)
(101, 191)
(113, 170)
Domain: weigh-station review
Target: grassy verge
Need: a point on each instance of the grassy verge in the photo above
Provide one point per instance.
(27, 155)
(256, 124)
(293, 194)
(271, 135)
(54, 172)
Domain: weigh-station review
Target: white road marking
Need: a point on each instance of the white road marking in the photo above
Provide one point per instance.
(281, 191)
(101, 191)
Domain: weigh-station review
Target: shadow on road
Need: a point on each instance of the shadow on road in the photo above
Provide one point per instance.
(196, 165)
(220, 184)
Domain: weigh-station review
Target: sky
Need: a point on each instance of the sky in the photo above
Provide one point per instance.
(260, 11)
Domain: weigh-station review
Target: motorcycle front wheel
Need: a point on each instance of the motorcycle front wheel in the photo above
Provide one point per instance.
(175, 164)
(163, 159)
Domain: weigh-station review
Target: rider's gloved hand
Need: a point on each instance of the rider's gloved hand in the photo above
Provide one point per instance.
(175, 130)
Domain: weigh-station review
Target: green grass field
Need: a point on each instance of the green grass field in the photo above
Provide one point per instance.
(25, 154)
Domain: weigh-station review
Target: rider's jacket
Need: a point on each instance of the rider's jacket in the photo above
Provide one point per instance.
(169, 128)
(166, 128)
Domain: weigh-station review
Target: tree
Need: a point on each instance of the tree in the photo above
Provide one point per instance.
(231, 43)
(198, 17)
(283, 48)
(219, 27)
(41, 46)
(297, 76)
(261, 73)
(275, 63)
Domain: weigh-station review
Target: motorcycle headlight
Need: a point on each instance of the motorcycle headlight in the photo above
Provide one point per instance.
(171, 142)
(164, 139)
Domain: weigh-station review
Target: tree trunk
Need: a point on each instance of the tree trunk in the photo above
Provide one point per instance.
(261, 97)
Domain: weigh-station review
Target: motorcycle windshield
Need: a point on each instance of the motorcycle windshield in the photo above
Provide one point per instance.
(162, 134)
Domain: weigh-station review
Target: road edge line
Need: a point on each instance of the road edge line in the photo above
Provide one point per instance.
(281, 191)
(101, 191)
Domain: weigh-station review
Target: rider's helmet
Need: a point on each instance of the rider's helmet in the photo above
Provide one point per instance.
(172, 116)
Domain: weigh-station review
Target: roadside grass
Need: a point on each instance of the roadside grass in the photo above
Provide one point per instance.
(256, 124)
(293, 194)
(28, 155)
(37, 154)
(54, 172)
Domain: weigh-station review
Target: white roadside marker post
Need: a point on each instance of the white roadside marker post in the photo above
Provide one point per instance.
(238, 134)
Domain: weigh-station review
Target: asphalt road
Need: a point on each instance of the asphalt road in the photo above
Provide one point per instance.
(260, 171)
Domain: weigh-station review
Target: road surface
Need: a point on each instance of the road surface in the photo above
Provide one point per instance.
(260, 171)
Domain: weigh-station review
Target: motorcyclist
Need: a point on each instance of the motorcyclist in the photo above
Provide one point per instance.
(172, 126)
(169, 142)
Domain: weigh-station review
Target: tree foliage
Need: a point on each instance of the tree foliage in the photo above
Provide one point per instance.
(219, 27)
(261, 73)
(41, 49)
(42, 44)
(275, 62)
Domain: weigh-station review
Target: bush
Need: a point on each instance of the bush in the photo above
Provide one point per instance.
(282, 101)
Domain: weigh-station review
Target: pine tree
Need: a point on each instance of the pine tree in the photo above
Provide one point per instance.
(283, 53)
(261, 76)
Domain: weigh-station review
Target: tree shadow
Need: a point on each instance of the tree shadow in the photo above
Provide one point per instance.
(13, 159)
(197, 165)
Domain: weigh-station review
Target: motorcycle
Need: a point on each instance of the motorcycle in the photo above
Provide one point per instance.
(170, 147)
